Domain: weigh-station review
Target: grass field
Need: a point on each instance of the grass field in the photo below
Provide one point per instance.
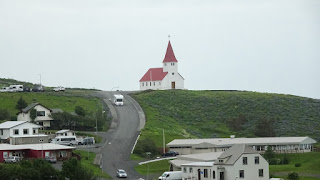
(66, 101)
(204, 114)
(88, 163)
(155, 168)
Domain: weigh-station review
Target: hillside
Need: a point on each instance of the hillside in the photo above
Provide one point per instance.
(206, 114)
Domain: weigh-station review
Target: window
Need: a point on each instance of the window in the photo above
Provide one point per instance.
(213, 174)
(159, 83)
(245, 160)
(256, 160)
(172, 64)
(190, 170)
(205, 174)
(34, 131)
(1, 131)
(150, 83)
(25, 131)
(220, 160)
(241, 173)
(172, 73)
(165, 64)
(260, 172)
(16, 131)
(146, 84)
(41, 113)
(154, 83)
(184, 169)
(142, 84)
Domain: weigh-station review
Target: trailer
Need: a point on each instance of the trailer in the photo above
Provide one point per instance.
(118, 99)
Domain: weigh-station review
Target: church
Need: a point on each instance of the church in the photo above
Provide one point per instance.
(163, 78)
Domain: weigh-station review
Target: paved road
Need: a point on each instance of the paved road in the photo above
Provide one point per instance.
(120, 140)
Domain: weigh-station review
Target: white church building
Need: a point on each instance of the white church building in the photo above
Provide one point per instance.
(164, 78)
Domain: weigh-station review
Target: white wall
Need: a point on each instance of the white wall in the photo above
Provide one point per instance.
(20, 127)
(26, 116)
(6, 134)
(179, 81)
(155, 85)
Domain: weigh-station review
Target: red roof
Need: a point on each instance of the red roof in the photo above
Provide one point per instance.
(169, 55)
(154, 74)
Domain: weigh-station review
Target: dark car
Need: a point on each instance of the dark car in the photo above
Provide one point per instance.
(51, 159)
(38, 88)
(170, 153)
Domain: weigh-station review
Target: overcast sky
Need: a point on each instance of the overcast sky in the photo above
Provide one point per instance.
(265, 46)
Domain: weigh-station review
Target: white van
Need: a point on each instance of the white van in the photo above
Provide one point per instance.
(15, 88)
(118, 100)
(172, 175)
(65, 140)
(5, 89)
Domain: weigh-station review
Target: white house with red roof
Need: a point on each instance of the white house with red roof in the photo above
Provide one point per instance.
(163, 78)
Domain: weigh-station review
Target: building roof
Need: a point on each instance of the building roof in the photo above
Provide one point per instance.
(210, 156)
(178, 162)
(11, 124)
(25, 136)
(222, 142)
(56, 111)
(199, 164)
(154, 74)
(169, 57)
(63, 131)
(43, 146)
(234, 153)
(30, 106)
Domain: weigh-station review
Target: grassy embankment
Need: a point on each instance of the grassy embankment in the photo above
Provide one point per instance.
(88, 163)
(204, 114)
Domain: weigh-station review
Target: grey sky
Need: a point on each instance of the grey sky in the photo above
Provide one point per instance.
(266, 46)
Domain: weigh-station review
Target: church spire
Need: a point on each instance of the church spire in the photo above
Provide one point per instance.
(169, 54)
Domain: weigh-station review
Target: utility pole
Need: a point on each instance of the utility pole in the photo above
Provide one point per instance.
(164, 142)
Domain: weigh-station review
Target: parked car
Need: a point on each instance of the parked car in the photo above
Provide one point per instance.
(26, 89)
(89, 141)
(38, 88)
(170, 153)
(12, 159)
(171, 175)
(59, 88)
(121, 173)
(51, 159)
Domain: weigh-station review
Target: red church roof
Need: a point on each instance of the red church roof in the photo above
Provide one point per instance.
(154, 74)
(169, 55)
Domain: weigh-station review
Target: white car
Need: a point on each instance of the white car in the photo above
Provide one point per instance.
(12, 159)
(121, 173)
(59, 88)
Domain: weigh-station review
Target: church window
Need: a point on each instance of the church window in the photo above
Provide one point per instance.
(154, 83)
(159, 83)
(146, 84)
(172, 64)
(150, 83)
(165, 64)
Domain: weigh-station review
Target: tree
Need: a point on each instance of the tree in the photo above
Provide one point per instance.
(293, 176)
(80, 111)
(21, 104)
(269, 154)
(146, 145)
(74, 170)
(264, 128)
(4, 114)
(237, 123)
(33, 114)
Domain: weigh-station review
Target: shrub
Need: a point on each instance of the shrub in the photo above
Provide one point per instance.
(293, 176)
(297, 165)
(274, 161)
(144, 146)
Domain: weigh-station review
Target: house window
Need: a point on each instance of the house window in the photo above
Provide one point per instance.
(184, 169)
(1, 131)
(25, 131)
(260, 172)
(41, 113)
(16, 131)
(190, 170)
(213, 175)
(245, 160)
(172, 73)
(256, 160)
(241, 173)
(205, 173)
(34, 131)
(220, 160)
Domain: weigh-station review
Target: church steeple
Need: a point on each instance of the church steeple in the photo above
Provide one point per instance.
(170, 57)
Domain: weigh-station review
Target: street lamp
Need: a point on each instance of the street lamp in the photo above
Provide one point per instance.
(97, 119)
(148, 155)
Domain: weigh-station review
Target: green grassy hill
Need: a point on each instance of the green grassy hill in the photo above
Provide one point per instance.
(205, 114)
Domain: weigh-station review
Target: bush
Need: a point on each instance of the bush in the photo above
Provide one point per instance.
(144, 146)
(297, 165)
(293, 176)
(4, 114)
(274, 161)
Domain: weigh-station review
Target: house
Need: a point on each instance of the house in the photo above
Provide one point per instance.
(65, 132)
(43, 116)
(21, 132)
(278, 144)
(238, 162)
(36, 151)
(163, 78)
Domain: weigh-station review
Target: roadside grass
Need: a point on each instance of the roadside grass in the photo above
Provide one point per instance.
(310, 163)
(67, 101)
(88, 163)
(300, 177)
(136, 157)
(204, 114)
(155, 168)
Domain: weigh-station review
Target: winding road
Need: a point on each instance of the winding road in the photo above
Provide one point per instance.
(120, 138)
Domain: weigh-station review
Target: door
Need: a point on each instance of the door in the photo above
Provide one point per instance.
(173, 85)
(199, 174)
(221, 175)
